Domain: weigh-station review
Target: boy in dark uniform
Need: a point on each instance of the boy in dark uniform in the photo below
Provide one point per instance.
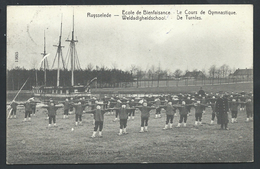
(158, 108)
(131, 104)
(28, 110)
(242, 99)
(79, 108)
(145, 114)
(222, 111)
(52, 108)
(212, 103)
(233, 106)
(66, 108)
(123, 116)
(117, 106)
(99, 120)
(183, 109)
(71, 107)
(170, 111)
(249, 110)
(199, 108)
(14, 108)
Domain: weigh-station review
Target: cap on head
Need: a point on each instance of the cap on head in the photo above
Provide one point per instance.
(123, 106)
(145, 104)
(170, 103)
(198, 101)
(98, 107)
(183, 102)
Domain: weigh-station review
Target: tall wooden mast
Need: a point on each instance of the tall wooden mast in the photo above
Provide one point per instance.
(44, 64)
(60, 56)
(73, 58)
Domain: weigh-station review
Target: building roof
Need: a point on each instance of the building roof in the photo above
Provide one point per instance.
(193, 74)
(243, 72)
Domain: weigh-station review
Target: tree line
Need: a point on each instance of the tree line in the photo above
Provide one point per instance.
(157, 73)
(106, 77)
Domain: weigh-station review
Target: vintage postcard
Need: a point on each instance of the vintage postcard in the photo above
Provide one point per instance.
(129, 84)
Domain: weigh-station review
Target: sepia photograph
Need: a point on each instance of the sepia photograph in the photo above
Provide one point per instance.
(129, 84)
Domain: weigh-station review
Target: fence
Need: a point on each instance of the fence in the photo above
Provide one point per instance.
(179, 82)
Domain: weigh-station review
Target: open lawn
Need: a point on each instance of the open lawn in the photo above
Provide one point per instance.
(33, 143)
(99, 92)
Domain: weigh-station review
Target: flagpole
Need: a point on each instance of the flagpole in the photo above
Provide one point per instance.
(17, 95)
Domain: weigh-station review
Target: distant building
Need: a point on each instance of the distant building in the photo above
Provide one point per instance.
(242, 74)
(194, 75)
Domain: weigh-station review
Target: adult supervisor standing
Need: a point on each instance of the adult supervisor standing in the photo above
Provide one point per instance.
(201, 92)
(222, 111)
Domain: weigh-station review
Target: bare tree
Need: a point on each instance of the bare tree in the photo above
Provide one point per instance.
(212, 71)
(177, 73)
(224, 70)
(133, 69)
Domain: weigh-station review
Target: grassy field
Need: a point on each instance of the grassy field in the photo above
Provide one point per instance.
(247, 87)
(33, 143)
(99, 92)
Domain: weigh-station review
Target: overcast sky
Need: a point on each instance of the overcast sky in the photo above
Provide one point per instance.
(172, 44)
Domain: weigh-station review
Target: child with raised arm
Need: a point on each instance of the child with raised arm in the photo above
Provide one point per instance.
(66, 108)
(183, 108)
(233, 106)
(28, 110)
(131, 104)
(145, 114)
(199, 108)
(170, 111)
(123, 116)
(79, 107)
(99, 120)
(212, 103)
(52, 108)
(249, 110)
(14, 108)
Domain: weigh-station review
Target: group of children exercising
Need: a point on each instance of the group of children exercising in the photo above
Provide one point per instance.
(125, 109)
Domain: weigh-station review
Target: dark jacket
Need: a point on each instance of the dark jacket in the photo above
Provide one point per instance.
(66, 105)
(233, 106)
(221, 110)
(98, 114)
(52, 108)
(28, 106)
(145, 111)
(184, 110)
(199, 108)
(79, 109)
(123, 113)
(170, 110)
(14, 105)
(222, 105)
